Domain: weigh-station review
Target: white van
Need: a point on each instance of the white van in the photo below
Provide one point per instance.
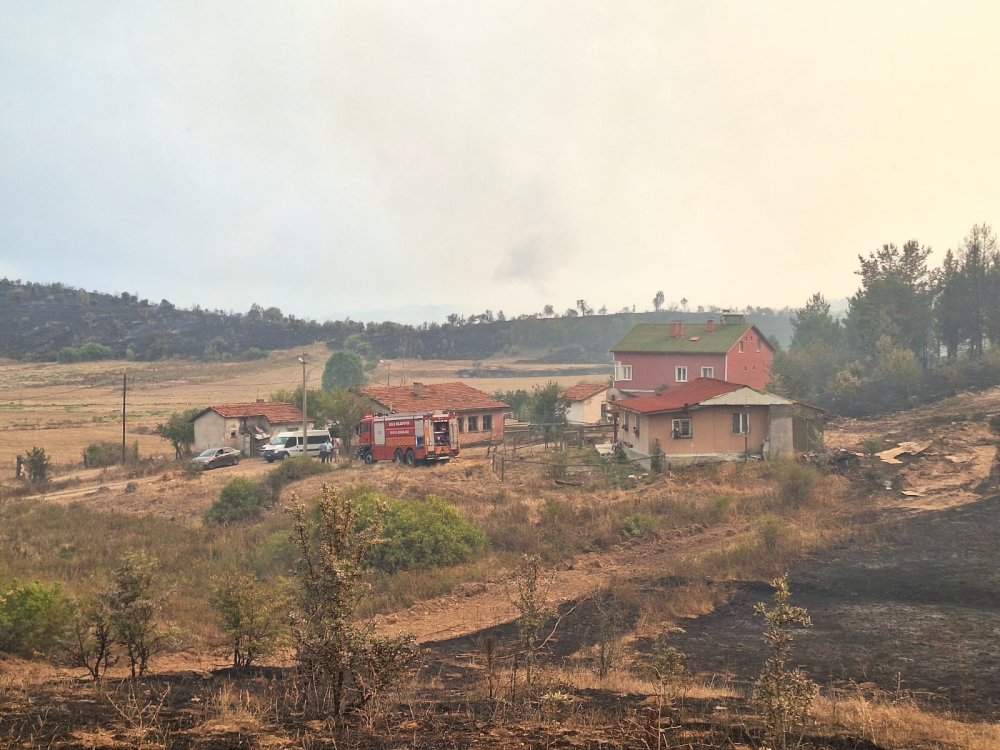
(286, 444)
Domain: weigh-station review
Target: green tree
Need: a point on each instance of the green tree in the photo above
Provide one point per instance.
(251, 616)
(345, 665)
(38, 465)
(343, 369)
(894, 301)
(783, 694)
(547, 408)
(134, 607)
(814, 324)
(949, 305)
(516, 400)
(179, 430)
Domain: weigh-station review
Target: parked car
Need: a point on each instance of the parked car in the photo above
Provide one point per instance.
(212, 458)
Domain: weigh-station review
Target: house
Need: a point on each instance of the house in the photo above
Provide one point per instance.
(653, 357)
(245, 427)
(712, 420)
(587, 403)
(480, 416)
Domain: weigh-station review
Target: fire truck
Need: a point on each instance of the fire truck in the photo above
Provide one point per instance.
(408, 438)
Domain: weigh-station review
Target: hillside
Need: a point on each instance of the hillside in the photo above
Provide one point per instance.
(46, 319)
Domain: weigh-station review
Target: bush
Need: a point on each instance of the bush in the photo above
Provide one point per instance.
(423, 535)
(107, 453)
(291, 470)
(38, 465)
(796, 482)
(33, 617)
(240, 500)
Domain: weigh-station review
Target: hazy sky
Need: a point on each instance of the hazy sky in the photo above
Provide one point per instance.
(334, 158)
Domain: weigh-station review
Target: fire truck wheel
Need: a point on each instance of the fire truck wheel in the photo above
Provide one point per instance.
(368, 458)
(398, 457)
(411, 460)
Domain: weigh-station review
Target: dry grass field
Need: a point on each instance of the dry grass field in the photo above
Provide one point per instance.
(65, 407)
(692, 550)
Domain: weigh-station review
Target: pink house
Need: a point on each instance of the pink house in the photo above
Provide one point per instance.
(654, 357)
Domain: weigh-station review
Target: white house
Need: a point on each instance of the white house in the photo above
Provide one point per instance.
(588, 403)
(245, 427)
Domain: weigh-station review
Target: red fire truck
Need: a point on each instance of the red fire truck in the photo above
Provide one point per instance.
(408, 438)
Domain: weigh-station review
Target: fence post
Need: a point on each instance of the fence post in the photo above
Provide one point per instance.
(503, 465)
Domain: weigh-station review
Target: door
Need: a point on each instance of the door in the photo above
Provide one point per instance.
(379, 434)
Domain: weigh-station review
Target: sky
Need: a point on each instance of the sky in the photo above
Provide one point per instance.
(402, 160)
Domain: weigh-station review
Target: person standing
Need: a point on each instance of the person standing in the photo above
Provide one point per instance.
(325, 450)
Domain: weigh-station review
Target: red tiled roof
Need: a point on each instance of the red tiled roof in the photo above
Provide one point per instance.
(676, 398)
(421, 397)
(583, 391)
(276, 412)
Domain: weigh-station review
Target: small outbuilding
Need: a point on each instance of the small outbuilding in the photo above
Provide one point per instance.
(246, 427)
(587, 403)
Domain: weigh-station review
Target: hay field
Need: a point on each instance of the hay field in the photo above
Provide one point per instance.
(65, 407)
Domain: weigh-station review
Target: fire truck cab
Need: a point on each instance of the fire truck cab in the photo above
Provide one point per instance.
(408, 438)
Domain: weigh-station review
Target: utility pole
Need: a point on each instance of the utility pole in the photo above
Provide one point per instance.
(124, 381)
(304, 359)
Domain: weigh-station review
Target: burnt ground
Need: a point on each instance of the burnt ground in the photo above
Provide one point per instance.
(911, 603)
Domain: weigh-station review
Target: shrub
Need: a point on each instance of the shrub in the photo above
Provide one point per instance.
(251, 616)
(132, 606)
(240, 500)
(795, 482)
(292, 470)
(423, 535)
(108, 453)
(38, 465)
(345, 666)
(33, 617)
(511, 529)
(639, 525)
(783, 694)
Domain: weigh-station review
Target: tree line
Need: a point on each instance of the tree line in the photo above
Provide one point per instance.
(912, 333)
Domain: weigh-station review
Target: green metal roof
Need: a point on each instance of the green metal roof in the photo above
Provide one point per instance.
(656, 338)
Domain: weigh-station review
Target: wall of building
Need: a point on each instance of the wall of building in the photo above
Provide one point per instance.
(586, 412)
(479, 435)
(711, 438)
(212, 430)
(749, 367)
(651, 371)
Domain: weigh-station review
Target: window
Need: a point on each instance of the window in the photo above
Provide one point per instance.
(708, 372)
(623, 372)
(741, 423)
(682, 429)
(461, 424)
(488, 422)
(758, 344)
(681, 374)
(473, 424)
(741, 346)
(625, 419)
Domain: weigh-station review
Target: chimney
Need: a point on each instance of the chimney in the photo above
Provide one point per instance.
(680, 329)
(710, 328)
(418, 390)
